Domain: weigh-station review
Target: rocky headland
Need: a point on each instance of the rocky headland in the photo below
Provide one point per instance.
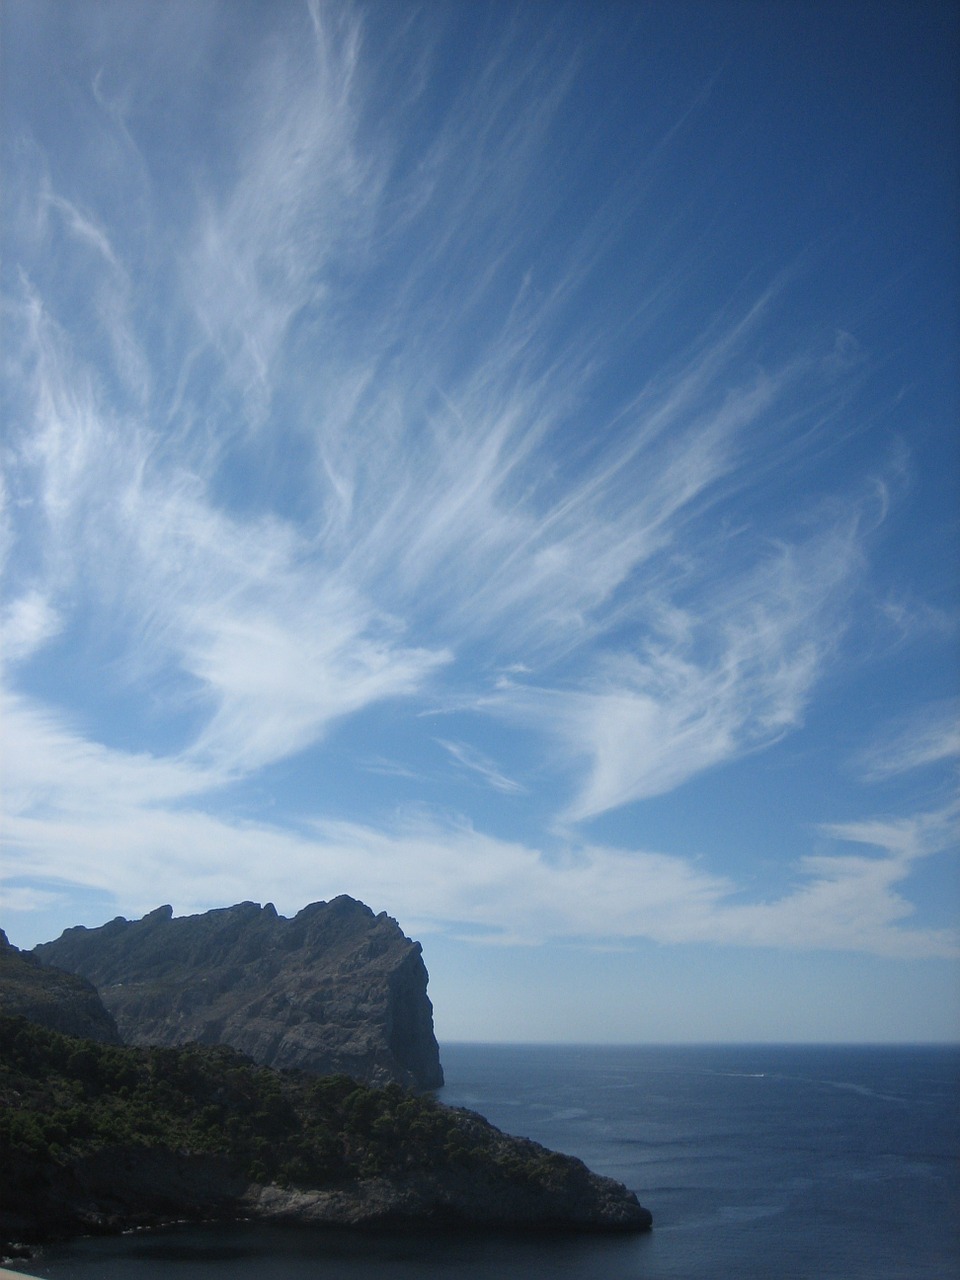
(99, 1136)
(335, 988)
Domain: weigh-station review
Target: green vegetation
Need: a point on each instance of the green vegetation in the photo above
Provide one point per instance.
(63, 1098)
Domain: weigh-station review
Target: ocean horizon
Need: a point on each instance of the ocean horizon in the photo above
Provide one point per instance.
(760, 1161)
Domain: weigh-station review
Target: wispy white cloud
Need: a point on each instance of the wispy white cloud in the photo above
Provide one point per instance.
(26, 625)
(337, 425)
(441, 876)
(274, 643)
(389, 768)
(86, 229)
(483, 766)
(708, 683)
(301, 203)
(138, 828)
(57, 771)
(278, 682)
(852, 901)
(454, 529)
(931, 735)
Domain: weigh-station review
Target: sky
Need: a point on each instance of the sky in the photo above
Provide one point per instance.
(499, 462)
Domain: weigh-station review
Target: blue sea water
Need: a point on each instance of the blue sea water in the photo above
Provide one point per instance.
(758, 1163)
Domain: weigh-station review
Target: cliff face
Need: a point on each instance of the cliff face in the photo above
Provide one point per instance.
(335, 989)
(61, 1001)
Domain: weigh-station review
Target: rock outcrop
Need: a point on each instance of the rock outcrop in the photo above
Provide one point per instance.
(48, 996)
(121, 1188)
(334, 989)
(493, 1190)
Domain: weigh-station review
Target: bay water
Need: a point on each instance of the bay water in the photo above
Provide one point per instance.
(758, 1163)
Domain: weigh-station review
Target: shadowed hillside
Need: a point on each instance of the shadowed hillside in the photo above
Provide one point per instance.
(97, 1137)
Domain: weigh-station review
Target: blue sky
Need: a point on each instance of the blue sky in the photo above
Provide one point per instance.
(499, 462)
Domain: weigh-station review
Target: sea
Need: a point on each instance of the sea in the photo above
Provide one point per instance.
(758, 1162)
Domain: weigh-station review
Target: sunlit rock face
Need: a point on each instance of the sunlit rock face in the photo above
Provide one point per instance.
(334, 989)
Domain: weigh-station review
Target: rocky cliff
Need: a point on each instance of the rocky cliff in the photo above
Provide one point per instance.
(61, 1001)
(334, 989)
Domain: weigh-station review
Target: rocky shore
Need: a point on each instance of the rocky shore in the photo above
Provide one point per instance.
(97, 1137)
(126, 1188)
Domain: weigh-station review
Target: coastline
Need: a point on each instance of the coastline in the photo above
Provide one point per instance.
(118, 1192)
(102, 1139)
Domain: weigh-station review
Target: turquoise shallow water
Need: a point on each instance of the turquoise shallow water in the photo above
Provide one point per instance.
(758, 1162)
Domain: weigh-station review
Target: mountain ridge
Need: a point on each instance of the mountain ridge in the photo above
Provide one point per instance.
(334, 988)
